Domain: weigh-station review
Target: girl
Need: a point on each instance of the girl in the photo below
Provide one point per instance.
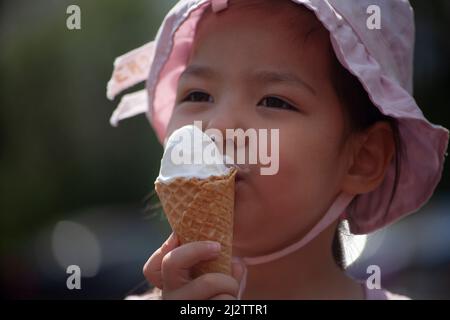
(353, 144)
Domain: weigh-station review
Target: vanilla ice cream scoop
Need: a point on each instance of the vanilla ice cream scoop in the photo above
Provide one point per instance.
(197, 192)
(190, 153)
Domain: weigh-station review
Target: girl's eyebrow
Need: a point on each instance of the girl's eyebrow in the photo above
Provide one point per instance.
(281, 77)
(261, 76)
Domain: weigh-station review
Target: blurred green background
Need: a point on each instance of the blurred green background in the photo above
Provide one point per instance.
(61, 161)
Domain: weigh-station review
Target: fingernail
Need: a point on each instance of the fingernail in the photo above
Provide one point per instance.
(214, 246)
(171, 239)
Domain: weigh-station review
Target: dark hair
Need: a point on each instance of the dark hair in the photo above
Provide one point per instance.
(362, 114)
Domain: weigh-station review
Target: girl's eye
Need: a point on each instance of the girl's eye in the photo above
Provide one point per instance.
(274, 102)
(198, 96)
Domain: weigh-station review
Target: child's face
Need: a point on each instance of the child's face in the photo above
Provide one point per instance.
(271, 210)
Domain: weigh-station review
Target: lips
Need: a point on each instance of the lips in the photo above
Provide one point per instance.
(242, 173)
(242, 170)
(238, 176)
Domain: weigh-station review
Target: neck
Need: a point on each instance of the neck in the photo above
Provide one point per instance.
(308, 273)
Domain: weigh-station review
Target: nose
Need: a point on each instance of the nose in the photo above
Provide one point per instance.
(225, 116)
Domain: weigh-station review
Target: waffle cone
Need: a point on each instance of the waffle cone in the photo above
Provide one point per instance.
(202, 209)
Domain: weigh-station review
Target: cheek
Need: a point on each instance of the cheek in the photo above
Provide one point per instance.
(307, 177)
(282, 207)
(297, 186)
(309, 167)
(272, 212)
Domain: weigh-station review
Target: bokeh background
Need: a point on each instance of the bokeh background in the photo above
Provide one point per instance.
(73, 189)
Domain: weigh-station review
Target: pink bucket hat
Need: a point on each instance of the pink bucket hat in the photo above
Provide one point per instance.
(381, 59)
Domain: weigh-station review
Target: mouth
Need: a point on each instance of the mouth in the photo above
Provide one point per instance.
(242, 173)
(238, 177)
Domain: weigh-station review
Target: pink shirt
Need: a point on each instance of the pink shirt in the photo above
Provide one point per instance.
(369, 294)
(381, 294)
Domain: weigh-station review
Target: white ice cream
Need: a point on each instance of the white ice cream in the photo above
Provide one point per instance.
(189, 153)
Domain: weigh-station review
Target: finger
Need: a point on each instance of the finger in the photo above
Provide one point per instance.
(152, 268)
(205, 287)
(177, 263)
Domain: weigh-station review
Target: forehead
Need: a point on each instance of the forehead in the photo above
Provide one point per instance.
(248, 33)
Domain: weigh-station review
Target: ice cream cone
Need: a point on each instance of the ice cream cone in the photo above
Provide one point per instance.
(202, 209)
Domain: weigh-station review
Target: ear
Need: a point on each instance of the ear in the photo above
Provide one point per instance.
(371, 153)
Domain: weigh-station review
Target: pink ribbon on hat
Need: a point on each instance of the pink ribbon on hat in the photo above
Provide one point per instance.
(130, 69)
(335, 211)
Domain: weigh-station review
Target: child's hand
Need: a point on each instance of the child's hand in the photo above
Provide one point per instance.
(169, 269)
